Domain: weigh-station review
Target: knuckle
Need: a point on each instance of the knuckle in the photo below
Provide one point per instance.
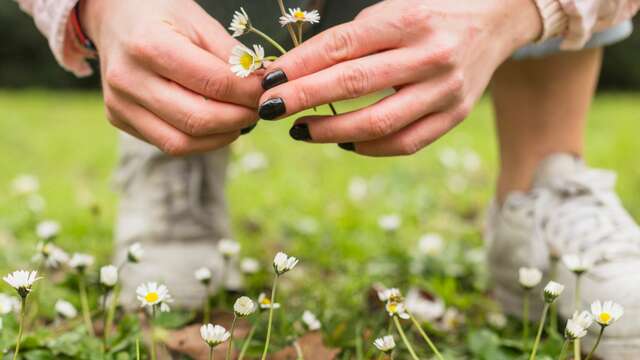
(218, 87)
(302, 98)
(116, 77)
(140, 48)
(456, 86)
(380, 124)
(193, 123)
(409, 146)
(415, 17)
(356, 81)
(461, 112)
(174, 146)
(340, 45)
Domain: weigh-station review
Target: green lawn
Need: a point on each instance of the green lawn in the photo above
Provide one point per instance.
(299, 202)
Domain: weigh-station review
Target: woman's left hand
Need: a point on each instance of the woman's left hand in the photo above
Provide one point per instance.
(438, 55)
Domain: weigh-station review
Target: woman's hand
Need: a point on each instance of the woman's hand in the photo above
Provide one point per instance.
(438, 55)
(165, 74)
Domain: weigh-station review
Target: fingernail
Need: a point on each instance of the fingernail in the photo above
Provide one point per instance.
(273, 79)
(248, 129)
(300, 132)
(272, 109)
(348, 146)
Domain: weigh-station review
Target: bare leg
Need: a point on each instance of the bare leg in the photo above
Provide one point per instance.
(541, 108)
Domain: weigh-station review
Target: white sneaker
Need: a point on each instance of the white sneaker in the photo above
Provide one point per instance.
(572, 209)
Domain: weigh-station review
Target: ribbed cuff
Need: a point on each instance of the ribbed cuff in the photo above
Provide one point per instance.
(554, 19)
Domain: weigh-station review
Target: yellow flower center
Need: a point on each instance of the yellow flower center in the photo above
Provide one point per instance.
(246, 60)
(392, 308)
(605, 318)
(266, 301)
(151, 297)
(299, 15)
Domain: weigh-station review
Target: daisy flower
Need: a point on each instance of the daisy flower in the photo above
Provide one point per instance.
(249, 265)
(386, 344)
(390, 222)
(228, 248)
(8, 304)
(214, 335)
(25, 185)
(311, 321)
(152, 294)
(358, 189)
(397, 309)
(135, 252)
(299, 16)
(552, 291)
(283, 263)
(574, 330)
(529, 277)
(240, 24)
(245, 61)
(203, 275)
(392, 294)
(578, 264)
(606, 313)
(265, 302)
(65, 309)
(431, 244)
(109, 276)
(22, 281)
(52, 255)
(584, 319)
(422, 307)
(81, 261)
(244, 306)
(47, 229)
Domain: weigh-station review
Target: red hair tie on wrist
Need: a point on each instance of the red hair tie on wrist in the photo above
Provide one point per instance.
(81, 36)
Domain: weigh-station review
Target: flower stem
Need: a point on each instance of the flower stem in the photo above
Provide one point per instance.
(525, 318)
(539, 335)
(553, 310)
(563, 351)
(595, 346)
(247, 341)
(153, 333)
(210, 352)
(137, 348)
(21, 327)
(268, 39)
(577, 351)
(112, 311)
(299, 352)
(84, 302)
(283, 11)
(426, 338)
(230, 345)
(273, 301)
(207, 307)
(404, 339)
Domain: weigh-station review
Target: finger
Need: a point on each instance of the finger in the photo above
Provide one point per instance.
(167, 138)
(176, 58)
(347, 80)
(386, 117)
(120, 124)
(411, 139)
(187, 111)
(338, 44)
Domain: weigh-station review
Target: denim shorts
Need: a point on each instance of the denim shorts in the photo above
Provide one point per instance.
(265, 14)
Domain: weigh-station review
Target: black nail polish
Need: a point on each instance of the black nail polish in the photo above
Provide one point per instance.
(300, 132)
(273, 79)
(272, 109)
(248, 129)
(347, 146)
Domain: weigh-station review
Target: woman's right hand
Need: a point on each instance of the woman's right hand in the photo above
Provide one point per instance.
(165, 75)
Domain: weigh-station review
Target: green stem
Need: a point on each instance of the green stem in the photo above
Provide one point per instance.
(404, 339)
(426, 338)
(563, 351)
(153, 333)
(112, 311)
(359, 355)
(300, 33)
(230, 345)
(207, 307)
(296, 345)
(210, 352)
(21, 327)
(84, 302)
(268, 39)
(525, 319)
(273, 301)
(271, 58)
(539, 335)
(137, 348)
(105, 314)
(333, 109)
(283, 11)
(595, 346)
(577, 351)
(553, 311)
(247, 341)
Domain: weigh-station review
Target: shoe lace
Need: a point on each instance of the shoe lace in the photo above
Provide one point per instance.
(581, 213)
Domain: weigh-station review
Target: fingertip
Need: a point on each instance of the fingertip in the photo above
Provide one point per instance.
(273, 79)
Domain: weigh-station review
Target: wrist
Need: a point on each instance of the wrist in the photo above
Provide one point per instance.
(519, 21)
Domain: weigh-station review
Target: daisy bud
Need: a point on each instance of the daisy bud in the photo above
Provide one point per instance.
(81, 262)
(606, 313)
(283, 263)
(529, 277)
(109, 276)
(47, 230)
(574, 331)
(578, 264)
(214, 335)
(385, 344)
(228, 248)
(22, 281)
(244, 306)
(552, 291)
(249, 265)
(135, 252)
(203, 275)
(390, 222)
(431, 244)
(65, 309)
(25, 185)
(584, 319)
(311, 321)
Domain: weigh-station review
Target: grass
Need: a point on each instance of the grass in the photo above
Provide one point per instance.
(299, 203)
